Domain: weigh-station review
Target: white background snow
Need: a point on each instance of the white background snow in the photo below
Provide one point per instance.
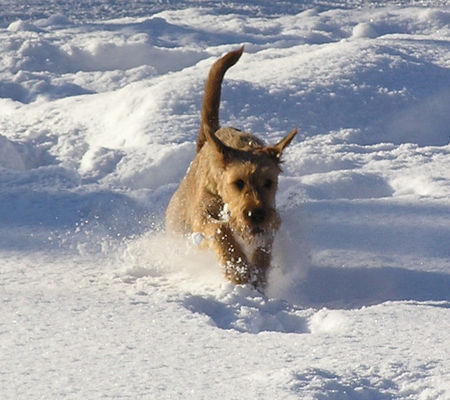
(99, 112)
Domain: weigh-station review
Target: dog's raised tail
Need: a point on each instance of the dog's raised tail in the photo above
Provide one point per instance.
(211, 99)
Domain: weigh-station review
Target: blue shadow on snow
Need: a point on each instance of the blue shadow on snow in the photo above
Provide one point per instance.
(358, 287)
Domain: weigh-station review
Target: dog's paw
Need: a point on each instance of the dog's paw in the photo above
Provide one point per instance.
(258, 279)
(238, 273)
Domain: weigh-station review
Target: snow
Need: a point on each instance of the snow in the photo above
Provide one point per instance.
(99, 112)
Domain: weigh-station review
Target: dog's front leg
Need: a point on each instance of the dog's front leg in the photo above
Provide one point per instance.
(234, 260)
(220, 237)
(260, 260)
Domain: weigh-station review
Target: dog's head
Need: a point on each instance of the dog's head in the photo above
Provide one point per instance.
(249, 181)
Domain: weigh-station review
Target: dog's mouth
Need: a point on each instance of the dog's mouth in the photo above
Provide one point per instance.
(256, 230)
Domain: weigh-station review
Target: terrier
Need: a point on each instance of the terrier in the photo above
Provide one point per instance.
(227, 197)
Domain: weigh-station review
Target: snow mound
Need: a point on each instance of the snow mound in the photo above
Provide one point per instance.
(328, 321)
(20, 25)
(364, 30)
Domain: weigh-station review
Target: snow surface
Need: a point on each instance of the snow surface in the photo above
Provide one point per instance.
(99, 111)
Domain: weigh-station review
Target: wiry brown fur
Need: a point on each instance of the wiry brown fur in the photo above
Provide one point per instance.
(228, 193)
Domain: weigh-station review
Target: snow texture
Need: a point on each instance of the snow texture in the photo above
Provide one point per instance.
(99, 112)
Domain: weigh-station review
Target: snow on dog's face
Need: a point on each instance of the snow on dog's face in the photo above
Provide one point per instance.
(249, 182)
(249, 189)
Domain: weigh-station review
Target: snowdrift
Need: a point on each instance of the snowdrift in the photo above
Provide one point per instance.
(99, 112)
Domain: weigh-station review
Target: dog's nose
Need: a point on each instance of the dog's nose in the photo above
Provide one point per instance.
(256, 216)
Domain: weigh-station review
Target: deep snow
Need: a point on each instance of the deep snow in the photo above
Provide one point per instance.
(99, 111)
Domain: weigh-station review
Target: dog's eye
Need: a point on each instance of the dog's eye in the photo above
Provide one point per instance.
(268, 184)
(239, 184)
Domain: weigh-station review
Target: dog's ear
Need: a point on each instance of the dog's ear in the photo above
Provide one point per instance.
(277, 150)
(225, 151)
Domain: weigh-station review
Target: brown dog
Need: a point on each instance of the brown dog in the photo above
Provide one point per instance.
(228, 194)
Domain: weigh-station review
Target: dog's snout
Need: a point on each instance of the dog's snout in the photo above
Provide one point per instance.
(256, 216)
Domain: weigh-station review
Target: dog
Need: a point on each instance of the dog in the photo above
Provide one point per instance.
(227, 197)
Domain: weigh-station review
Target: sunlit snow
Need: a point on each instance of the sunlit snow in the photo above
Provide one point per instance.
(99, 113)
